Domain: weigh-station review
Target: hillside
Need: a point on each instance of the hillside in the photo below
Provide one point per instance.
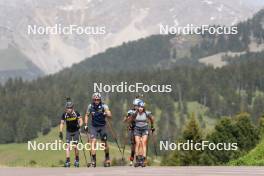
(15, 64)
(165, 51)
(252, 158)
(18, 155)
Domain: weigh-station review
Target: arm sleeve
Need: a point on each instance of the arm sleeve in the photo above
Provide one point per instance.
(149, 114)
(106, 108)
(78, 114)
(88, 109)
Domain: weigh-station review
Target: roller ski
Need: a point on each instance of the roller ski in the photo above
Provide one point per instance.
(93, 163)
(107, 163)
(137, 163)
(143, 162)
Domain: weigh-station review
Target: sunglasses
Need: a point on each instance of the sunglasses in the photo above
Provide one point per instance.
(97, 99)
(69, 108)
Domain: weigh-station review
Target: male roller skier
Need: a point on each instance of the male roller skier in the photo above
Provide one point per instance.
(73, 121)
(98, 111)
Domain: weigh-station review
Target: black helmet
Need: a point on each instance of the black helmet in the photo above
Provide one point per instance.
(69, 103)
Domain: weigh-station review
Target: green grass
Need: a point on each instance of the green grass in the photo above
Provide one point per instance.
(18, 155)
(254, 158)
(15, 155)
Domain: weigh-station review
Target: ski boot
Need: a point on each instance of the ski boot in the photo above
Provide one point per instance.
(76, 163)
(93, 163)
(67, 164)
(107, 163)
(143, 162)
(131, 159)
(137, 163)
(131, 163)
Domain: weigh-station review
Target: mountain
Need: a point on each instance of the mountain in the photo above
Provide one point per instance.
(124, 20)
(15, 64)
(166, 51)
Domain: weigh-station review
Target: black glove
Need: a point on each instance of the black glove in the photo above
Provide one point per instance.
(85, 128)
(61, 135)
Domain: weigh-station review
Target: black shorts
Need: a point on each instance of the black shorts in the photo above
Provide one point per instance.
(72, 136)
(98, 131)
(141, 131)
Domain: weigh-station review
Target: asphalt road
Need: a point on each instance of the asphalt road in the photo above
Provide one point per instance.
(131, 171)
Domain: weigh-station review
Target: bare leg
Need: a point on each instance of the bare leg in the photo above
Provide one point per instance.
(76, 151)
(144, 145)
(137, 145)
(68, 151)
(93, 149)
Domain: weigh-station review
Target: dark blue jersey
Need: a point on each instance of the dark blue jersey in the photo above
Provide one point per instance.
(97, 113)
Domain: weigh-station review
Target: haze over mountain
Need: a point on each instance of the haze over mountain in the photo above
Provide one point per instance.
(124, 20)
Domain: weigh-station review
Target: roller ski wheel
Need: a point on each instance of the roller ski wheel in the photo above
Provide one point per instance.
(137, 164)
(88, 164)
(143, 164)
(67, 164)
(76, 163)
(142, 161)
(107, 163)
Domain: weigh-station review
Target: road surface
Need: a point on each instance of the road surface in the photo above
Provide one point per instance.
(131, 171)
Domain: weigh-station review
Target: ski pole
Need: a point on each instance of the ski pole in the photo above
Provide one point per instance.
(124, 141)
(154, 143)
(114, 136)
(89, 141)
(87, 164)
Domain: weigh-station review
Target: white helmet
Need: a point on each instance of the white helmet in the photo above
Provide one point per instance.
(96, 95)
(136, 101)
(141, 104)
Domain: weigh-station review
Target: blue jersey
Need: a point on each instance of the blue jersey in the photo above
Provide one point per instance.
(97, 112)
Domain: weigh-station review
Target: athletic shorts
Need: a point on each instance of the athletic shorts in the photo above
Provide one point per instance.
(98, 131)
(72, 136)
(141, 131)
